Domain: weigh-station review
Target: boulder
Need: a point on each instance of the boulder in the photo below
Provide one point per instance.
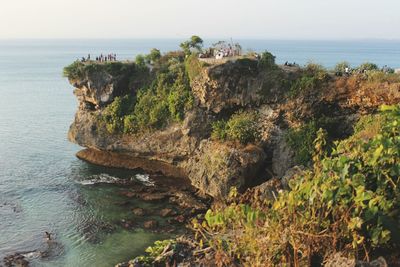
(216, 167)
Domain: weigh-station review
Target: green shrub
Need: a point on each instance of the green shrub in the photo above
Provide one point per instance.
(140, 60)
(267, 60)
(242, 127)
(381, 77)
(153, 56)
(348, 202)
(154, 253)
(193, 67)
(79, 70)
(341, 67)
(219, 130)
(314, 76)
(113, 114)
(368, 66)
(74, 70)
(301, 139)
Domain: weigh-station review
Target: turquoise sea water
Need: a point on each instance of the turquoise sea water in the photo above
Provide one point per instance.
(41, 185)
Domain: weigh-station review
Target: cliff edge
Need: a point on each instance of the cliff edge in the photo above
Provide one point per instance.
(238, 123)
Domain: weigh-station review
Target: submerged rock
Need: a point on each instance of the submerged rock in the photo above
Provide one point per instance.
(15, 260)
(151, 224)
(167, 212)
(138, 211)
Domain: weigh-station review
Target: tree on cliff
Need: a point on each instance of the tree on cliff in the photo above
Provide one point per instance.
(195, 42)
(154, 56)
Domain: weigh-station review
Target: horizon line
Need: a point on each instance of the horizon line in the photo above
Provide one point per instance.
(204, 38)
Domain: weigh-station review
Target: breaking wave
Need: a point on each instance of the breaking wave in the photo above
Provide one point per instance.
(104, 178)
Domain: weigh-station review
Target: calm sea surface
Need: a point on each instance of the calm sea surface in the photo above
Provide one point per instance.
(44, 187)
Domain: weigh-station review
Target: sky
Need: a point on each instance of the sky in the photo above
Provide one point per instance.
(253, 19)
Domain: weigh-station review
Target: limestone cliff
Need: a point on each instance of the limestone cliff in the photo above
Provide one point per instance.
(219, 90)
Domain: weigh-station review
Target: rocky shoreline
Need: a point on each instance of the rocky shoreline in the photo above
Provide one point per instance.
(126, 161)
(179, 200)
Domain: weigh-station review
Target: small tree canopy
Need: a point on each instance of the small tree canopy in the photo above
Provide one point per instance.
(195, 42)
(154, 55)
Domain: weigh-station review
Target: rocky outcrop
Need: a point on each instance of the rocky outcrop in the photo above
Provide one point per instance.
(99, 87)
(216, 167)
(186, 149)
(230, 85)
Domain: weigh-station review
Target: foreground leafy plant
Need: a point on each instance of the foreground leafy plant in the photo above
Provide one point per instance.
(349, 201)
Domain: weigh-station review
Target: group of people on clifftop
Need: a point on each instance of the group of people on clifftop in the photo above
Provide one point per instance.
(101, 58)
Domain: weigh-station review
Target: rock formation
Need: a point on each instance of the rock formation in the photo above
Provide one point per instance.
(186, 149)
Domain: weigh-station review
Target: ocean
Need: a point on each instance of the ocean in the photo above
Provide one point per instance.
(44, 187)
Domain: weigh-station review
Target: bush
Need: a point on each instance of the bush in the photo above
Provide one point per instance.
(113, 114)
(301, 139)
(219, 130)
(313, 77)
(381, 77)
(154, 253)
(348, 202)
(368, 66)
(193, 67)
(267, 60)
(154, 56)
(140, 60)
(341, 67)
(242, 127)
(74, 71)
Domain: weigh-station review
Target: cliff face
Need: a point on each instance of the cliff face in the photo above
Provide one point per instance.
(213, 166)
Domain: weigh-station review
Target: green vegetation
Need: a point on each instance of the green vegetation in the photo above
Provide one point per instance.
(341, 67)
(301, 139)
(313, 77)
(267, 60)
(382, 77)
(79, 70)
(349, 202)
(140, 60)
(158, 103)
(153, 56)
(155, 253)
(368, 66)
(194, 43)
(242, 127)
(113, 115)
(193, 66)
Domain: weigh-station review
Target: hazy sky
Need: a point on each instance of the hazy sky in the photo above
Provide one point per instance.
(261, 19)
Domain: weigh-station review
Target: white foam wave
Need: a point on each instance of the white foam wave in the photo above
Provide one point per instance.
(102, 178)
(144, 179)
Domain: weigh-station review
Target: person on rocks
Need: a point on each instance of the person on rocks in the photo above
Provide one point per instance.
(48, 236)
